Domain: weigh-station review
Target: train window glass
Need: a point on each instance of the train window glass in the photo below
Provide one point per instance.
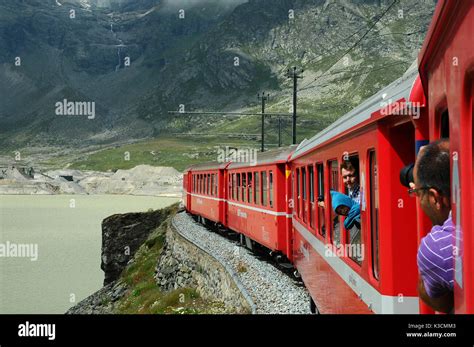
(203, 177)
(297, 202)
(216, 184)
(311, 196)
(237, 197)
(303, 193)
(200, 183)
(234, 186)
(374, 213)
(208, 184)
(444, 126)
(249, 182)
(257, 197)
(264, 188)
(334, 185)
(244, 187)
(270, 193)
(212, 185)
(321, 207)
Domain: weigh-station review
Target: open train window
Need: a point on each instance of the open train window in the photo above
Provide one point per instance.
(444, 126)
(264, 188)
(311, 196)
(270, 192)
(257, 197)
(350, 178)
(374, 213)
(320, 185)
(334, 185)
(249, 182)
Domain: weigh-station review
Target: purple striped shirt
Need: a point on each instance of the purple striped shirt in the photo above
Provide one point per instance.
(435, 259)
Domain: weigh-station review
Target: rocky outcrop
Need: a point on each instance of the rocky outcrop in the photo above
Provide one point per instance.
(101, 302)
(122, 235)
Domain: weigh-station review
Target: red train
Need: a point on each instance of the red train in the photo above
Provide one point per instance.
(277, 200)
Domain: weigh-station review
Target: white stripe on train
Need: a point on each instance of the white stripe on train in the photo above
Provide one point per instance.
(257, 209)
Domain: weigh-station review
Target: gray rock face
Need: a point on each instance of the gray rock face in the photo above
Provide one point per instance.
(122, 235)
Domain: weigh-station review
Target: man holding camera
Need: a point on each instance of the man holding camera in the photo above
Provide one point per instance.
(435, 254)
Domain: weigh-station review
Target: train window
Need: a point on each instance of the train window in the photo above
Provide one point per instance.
(257, 197)
(350, 177)
(303, 193)
(444, 126)
(321, 207)
(208, 184)
(270, 193)
(234, 186)
(212, 184)
(297, 204)
(237, 196)
(311, 195)
(216, 184)
(374, 213)
(336, 221)
(264, 188)
(244, 187)
(199, 184)
(249, 182)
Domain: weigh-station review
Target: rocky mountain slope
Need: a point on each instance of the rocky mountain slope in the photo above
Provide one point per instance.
(138, 59)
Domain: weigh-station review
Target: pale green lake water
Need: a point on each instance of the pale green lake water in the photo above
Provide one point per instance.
(69, 247)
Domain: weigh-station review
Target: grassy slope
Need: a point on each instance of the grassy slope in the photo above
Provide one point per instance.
(144, 296)
(167, 151)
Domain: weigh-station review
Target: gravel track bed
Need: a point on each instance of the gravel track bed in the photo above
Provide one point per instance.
(272, 291)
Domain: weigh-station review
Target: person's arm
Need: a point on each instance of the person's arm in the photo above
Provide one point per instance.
(444, 303)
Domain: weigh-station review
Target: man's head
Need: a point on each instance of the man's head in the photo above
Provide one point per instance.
(349, 174)
(432, 181)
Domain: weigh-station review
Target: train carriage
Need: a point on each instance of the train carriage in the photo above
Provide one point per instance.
(376, 272)
(257, 205)
(206, 196)
(447, 71)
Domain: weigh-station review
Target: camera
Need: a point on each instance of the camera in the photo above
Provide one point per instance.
(406, 175)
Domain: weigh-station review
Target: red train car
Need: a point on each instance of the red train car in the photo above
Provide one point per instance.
(447, 71)
(372, 269)
(257, 202)
(205, 193)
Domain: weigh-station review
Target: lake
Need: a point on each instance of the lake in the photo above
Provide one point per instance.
(68, 236)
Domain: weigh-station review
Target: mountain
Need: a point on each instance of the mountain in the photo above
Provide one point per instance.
(79, 50)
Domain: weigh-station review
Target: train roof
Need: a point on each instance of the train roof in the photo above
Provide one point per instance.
(279, 155)
(212, 165)
(274, 156)
(397, 90)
